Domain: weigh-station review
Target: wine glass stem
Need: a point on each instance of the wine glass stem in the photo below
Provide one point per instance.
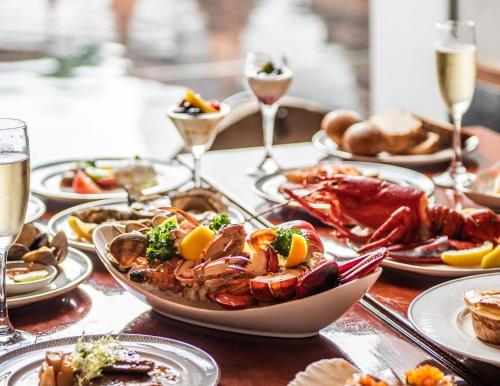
(456, 160)
(197, 152)
(6, 328)
(268, 116)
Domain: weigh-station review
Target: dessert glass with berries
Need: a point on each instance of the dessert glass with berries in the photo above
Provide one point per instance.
(268, 77)
(197, 120)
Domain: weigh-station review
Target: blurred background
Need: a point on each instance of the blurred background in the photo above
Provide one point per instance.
(87, 74)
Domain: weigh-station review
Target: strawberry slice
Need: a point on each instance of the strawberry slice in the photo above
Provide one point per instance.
(83, 184)
(215, 105)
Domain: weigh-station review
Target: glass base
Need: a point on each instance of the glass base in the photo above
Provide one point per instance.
(266, 167)
(15, 340)
(457, 180)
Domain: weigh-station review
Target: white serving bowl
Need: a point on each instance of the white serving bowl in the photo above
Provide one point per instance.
(292, 319)
(29, 286)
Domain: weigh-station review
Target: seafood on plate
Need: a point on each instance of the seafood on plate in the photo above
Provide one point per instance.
(312, 175)
(199, 202)
(103, 361)
(34, 246)
(372, 213)
(485, 314)
(88, 177)
(216, 261)
(339, 372)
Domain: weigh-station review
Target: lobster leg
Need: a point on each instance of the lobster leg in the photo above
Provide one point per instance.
(325, 218)
(390, 232)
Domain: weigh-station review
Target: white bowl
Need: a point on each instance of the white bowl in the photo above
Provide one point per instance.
(293, 319)
(30, 286)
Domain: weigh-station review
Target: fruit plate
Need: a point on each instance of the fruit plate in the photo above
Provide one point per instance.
(285, 320)
(440, 314)
(36, 209)
(321, 141)
(190, 365)
(74, 270)
(46, 178)
(267, 186)
(59, 222)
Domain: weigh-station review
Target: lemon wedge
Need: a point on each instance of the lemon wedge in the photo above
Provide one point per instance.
(82, 229)
(193, 244)
(472, 256)
(197, 101)
(492, 259)
(466, 211)
(298, 251)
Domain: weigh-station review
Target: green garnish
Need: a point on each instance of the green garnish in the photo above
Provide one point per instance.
(219, 222)
(161, 246)
(283, 240)
(85, 164)
(91, 356)
(268, 68)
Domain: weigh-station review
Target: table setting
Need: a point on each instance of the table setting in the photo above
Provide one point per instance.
(352, 259)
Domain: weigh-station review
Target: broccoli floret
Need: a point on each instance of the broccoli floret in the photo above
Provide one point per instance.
(219, 222)
(283, 240)
(161, 246)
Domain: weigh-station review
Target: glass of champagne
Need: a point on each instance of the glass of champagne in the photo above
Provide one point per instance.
(456, 70)
(269, 77)
(14, 193)
(198, 129)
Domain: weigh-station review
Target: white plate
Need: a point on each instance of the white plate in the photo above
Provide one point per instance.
(267, 186)
(75, 269)
(440, 270)
(59, 222)
(36, 209)
(46, 178)
(440, 314)
(284, 320)
(193, 366)
(321, 141)
(14, 288)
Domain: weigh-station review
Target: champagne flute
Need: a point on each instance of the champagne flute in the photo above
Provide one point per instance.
(268, 77)
(456, 70)
(14, 193)
(198, 132)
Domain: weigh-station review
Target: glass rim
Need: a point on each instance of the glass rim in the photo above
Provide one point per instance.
(448, 24)
(285, 54)
(19, 124)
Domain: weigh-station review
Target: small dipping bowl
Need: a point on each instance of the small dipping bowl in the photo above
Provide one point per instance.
(16, 288)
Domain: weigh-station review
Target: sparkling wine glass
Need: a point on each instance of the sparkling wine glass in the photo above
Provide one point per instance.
(198, 132)
(14, 193)
(268, 77)
(456, 70)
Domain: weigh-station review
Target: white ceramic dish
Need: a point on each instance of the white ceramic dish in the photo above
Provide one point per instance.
(321, 141)
(75, 269)
(440, 270)
(36, 209)
(192, 366)
(267, 186)
(14, 288)
(59, 222)
(284, 320)
(46, 178)
(440, 314)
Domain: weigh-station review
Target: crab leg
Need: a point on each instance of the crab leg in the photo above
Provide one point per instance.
(367, 264)
(326, 219)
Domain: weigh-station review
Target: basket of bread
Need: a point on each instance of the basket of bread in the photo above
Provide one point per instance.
(393, 133)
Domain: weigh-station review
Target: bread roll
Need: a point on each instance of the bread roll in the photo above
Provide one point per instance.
(429, 145)
(336, 122)
(363, 138)
(400, 129)
(485, 311)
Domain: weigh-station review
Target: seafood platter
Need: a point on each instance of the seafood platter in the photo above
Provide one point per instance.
(233, 273)
(366, 213)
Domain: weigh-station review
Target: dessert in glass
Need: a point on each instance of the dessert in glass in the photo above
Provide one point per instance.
(268, 77)
(197, 120)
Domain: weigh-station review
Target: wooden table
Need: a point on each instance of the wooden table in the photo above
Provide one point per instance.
(101, 305)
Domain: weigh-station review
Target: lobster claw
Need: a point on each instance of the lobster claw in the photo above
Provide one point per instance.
(322, 277)
(232, 301)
